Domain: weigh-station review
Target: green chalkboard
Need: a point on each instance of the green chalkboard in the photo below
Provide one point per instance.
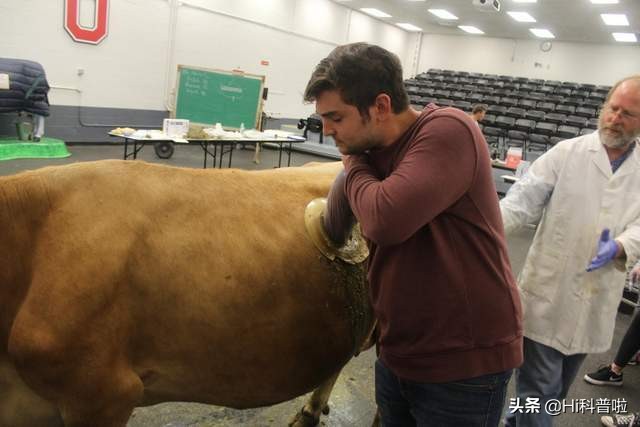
(214, 96)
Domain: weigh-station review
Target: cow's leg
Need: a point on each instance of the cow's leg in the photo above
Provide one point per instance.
(19, 405)
(112, 410)
(309, 416)
(81, 370)
(87, 390)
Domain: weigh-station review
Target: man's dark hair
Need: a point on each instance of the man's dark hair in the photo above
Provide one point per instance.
(360, 72)
(478, 108)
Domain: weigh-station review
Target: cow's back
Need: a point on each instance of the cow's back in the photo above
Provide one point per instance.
(203, 283)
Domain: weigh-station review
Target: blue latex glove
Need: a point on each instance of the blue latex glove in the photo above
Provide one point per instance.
(607, 250)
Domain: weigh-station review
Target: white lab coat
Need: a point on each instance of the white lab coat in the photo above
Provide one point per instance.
(572, 193)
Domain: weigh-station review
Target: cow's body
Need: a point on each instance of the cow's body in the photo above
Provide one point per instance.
(125, 284)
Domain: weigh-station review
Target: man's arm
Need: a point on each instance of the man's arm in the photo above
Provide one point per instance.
(337, 218)
(434, 173)
(526, 199)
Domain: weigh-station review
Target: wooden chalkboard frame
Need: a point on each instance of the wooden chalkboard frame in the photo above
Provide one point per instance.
(219, 100)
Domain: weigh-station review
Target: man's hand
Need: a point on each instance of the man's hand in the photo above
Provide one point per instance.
(338, 218)
(608, 249)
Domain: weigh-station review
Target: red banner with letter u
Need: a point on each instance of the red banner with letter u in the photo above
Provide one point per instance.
(92, 35)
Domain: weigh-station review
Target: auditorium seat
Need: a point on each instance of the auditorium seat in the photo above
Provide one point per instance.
(567, 132)
(572, 100)
(527, 103)
(555, 139)
(505, 122)
(491, 100)
(557, 118)
(576, 121)
(547, 107)
(508, 101)
(538, 142)
(525, 125)
(489, 119)
(580, 93)
(515, 112)
(545, 128)
(592, 103)
(495, 109)
(475, 98)
(585, 112)
(564, 91)
(493, 131)
(517, 134)
(462, 105)
(565, 109)
(536, 115)
(458, 96)
(536, 96)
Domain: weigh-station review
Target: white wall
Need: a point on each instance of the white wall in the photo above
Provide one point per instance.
(135, 66)
(576, 62)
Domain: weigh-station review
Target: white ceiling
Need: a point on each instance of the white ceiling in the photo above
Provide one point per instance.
(568, 20)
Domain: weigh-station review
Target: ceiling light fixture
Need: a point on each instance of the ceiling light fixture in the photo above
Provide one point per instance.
(625, 37)
(522, 16)
(408, 27)
(615, 19)
(443, 14)
(471, 29)
(375, 12)
(542, 33)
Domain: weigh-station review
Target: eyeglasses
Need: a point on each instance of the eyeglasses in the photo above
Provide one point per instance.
(624, 114)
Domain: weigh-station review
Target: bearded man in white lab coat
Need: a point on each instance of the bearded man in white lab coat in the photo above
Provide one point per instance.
(584, 194)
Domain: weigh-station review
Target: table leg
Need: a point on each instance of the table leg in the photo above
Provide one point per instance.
(289, 154)
(205, 146)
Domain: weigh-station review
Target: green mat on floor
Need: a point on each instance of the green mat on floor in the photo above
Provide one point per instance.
(46, 148)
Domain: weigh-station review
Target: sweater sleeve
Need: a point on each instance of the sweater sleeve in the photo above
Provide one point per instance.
(436, 170)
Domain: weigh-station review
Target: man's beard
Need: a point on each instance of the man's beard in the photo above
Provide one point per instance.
(621, 140)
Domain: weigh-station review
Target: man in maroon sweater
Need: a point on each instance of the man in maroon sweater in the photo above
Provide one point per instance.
(421, 186)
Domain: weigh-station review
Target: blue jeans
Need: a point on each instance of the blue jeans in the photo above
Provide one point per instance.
(475, 402)
(545, 374)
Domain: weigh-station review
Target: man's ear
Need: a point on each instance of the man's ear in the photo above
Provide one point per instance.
(382, 106)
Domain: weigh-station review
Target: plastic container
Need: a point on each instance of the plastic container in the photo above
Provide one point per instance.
(24, 129)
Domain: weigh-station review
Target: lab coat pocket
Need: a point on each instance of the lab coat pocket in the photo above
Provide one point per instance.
(542, 273)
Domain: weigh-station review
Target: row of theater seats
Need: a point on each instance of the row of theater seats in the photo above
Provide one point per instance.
(531, 113)
(537, 140)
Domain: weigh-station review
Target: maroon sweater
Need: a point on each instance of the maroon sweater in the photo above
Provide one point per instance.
(441, 283)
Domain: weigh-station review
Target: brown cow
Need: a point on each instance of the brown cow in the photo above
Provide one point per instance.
(126, 284)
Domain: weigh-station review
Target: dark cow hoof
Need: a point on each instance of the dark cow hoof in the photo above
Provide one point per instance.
(304, 419)
(326, 410)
